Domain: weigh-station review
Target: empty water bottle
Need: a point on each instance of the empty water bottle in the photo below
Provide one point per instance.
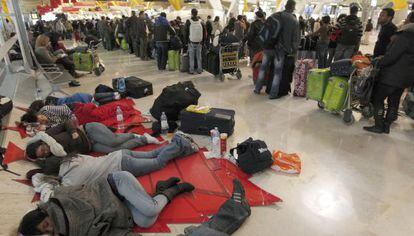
(121, 85)
(120, 118)
(215, 142)
(164, 123)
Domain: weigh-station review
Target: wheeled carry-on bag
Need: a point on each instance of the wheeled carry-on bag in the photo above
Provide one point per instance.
(83, 61)
(316, 83)
(196, 123)
(408, 103)
(173, 60)
(300, 76)
(184, 63)
(335, 94)
(135, 87)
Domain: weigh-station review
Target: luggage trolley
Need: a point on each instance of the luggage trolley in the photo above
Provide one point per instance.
(229, 61)
(360, 87)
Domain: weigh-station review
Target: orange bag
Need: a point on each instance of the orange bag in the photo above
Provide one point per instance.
(360, 61)
(286, 163)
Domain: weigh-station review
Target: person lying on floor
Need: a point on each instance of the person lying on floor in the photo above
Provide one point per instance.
(97, 98)
(66, 138)
(46, 116)
(83, 169)
(109, 205)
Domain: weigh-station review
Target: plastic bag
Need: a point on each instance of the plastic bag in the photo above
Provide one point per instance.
(286, 163)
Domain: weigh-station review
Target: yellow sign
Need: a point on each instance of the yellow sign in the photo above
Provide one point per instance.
(399, 5)
(5, 9)
(176, 4)
(245, 7)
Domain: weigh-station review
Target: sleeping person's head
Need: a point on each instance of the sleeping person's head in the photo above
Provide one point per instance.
(32, 117)
(37, 150)
(36, 222)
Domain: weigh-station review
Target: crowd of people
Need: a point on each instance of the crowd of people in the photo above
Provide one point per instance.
(63, 140)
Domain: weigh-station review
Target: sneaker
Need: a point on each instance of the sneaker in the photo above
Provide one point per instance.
(74, 83)
(194, 145)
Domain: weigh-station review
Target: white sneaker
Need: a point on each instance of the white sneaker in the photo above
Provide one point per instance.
(151, 139)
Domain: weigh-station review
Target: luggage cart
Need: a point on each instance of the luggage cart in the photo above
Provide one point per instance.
(229, 61)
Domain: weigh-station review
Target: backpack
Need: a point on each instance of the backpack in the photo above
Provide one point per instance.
(270, 32)
(253, 156)
(350, 34)
(173, 99)
(196, 31)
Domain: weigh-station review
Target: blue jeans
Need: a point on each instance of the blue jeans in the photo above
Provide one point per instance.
(194, 51)
(322, 54)
(162, 54)
(104, 140)
(344, 51)
(144, 208)
(141, 163)
(277, 56)
(75, 98)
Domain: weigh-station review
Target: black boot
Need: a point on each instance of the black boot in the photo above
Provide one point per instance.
(171, 192)
(379, 123)
(165, 184)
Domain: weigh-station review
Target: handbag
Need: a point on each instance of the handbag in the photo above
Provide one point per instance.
(253, 156)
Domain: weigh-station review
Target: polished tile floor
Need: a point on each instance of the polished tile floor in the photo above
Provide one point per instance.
(352, 182)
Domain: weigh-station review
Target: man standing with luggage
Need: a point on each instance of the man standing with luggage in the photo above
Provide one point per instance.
(143, 36)
(253, 35)
(162, 33)
(351, 33)
(132, 30)
(388, 29)
(275, 49)
(195, 35)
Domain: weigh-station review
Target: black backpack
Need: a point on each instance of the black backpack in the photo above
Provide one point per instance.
(253, 156)
(173, 99)
(270, 33)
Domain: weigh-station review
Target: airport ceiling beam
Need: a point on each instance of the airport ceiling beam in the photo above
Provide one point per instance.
(216, 5)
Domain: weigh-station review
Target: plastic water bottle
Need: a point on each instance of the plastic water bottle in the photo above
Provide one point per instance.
(120, 118)
(164, 123)
(215, 142)
(121, 85)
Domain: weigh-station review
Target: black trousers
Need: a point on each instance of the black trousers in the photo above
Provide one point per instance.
(393, 95)
(68, 64)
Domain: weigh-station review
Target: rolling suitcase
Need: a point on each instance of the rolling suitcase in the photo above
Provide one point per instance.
(124, 44)
(256, 63)
(213, 65)
(300, 76)
(316, 83)
(83, 61)
(408, 103)
(335, 94)
(195, 123)
(135, 87)
(184, 63)
(173, 60)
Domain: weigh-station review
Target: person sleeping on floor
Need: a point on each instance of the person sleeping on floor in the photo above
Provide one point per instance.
(112, 204)
(67, 138)
(44, 116)
(78, 169)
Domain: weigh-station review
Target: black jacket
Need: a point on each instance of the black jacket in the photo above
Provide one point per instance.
(384, 38)
(132, 27)
(63, 135)
(397, 65)
(162, 30)
(142, 28)
(253, 35)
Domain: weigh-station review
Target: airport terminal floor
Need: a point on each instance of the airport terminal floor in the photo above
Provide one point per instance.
(352, 182)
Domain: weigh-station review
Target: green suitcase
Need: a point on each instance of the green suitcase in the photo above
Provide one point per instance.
(173, 60)
(335, 94)
(316, 83)
(124, 44)
(83, 61)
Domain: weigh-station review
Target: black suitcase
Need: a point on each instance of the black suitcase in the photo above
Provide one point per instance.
(195, 123)
(213, 66)
(135, 87)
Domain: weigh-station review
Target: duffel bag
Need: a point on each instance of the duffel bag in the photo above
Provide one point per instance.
(173, 99)
(253, 156)
(342, 68)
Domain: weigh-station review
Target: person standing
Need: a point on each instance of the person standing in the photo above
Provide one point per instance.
(132, 26)
(253, 35)
(323, 34)
(143, 36)
(351, 33)
(217, 25)
(162, 33)
(287, 43)
(195, 37)
(368, 29)
(209, 28)
(396, 74)
(388, 29)
(333, 40)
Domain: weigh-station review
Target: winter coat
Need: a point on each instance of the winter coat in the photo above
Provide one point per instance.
(142, 28)
(253, 35)
(132, 27)
(384, 38)
(162, 30)
(397, 65)
(289, 34)
(353, 38)
(92, 210)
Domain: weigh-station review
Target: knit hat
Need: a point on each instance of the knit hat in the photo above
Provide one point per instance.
(259, 14)
(30, 221)
(31, 149)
